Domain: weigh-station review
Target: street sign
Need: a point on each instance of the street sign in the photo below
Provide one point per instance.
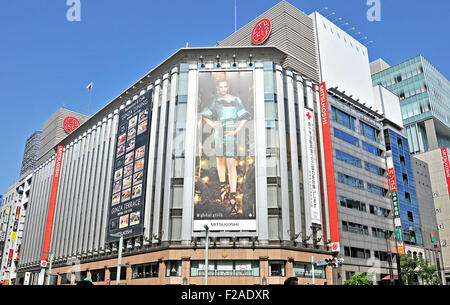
(321, 262)
(43, 263)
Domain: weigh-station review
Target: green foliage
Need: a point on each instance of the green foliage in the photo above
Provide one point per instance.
(358, 279)
(413, 268)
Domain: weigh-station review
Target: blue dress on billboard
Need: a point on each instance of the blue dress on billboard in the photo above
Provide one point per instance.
(229, 111)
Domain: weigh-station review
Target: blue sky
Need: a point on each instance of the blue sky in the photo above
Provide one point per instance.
(46, 61)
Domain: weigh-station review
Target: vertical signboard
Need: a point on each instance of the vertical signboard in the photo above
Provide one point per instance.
(311, 157)
(444, 153)
(51, 205)
(396, 209)
(224, 194)
(329, 168)
(127, 196)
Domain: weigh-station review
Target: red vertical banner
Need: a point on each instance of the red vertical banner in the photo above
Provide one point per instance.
(392, 182)
(446, 162)
(329, 168)
(51, 205)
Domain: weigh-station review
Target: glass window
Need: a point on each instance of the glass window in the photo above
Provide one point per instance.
(302, 269)
(368, 131)
(145, 270)
(343, 118)
(346, 137)
(173, 268)
(113, 273)
(276, 268)
(349, 180)
(373, 168)
(370, 148)
(348, 158)
(375, 189)
(98, 275)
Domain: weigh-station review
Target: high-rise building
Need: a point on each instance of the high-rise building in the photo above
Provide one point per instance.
(424, 94)
(30, 155)
(55, 129)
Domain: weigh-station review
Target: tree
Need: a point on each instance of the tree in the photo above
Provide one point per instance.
(412, 268)
(358, 279)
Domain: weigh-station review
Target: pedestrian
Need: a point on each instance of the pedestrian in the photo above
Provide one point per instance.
(86, 282)
(291, 281)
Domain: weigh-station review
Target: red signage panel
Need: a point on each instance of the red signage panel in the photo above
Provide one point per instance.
(446, 162)
(329, 167)
(392, 182)
(261, 31)
(51, 205)
(70, 124)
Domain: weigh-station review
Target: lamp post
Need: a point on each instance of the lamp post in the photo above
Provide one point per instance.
(119, 257)
(206, 253)
(49, 268)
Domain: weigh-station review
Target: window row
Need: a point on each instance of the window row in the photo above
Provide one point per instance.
(361, 206)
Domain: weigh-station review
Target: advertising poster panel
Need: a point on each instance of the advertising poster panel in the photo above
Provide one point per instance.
(329, 168)
(311, 157)
(127, 196)
(224, 194)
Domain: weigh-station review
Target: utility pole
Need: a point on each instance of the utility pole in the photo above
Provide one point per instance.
(49, 269)
(119, 260)
(206, 254)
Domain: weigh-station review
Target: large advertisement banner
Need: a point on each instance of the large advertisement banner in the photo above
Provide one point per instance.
(127, 198)
(224, 194)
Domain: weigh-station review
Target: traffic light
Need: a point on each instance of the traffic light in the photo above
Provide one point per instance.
(332, 262)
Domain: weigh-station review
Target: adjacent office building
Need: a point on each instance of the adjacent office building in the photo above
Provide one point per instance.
(424, 94)
(11, 234)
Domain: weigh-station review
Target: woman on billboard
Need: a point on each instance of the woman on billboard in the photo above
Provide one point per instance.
(226, 115)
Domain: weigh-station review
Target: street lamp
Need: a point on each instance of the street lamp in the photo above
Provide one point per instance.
(206, 253)
(119, 257)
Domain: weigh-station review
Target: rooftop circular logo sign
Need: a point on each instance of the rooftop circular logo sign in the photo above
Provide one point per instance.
(261, 31)
(70, 124)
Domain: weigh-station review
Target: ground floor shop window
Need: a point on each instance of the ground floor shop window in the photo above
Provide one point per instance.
(173, 268)
(277, 268)
(225, 268)
(302, 269)
(113, 274)
(98, 275)
(145, 270)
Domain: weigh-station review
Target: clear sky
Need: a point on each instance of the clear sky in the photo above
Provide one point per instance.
(46, 61)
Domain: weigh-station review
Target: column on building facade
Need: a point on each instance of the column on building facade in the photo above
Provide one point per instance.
(285, 221)
(295, 167)
(113, 122)
(159, 159)
(151, 163)
(189, 159)
(167, 200)
(260, 157)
